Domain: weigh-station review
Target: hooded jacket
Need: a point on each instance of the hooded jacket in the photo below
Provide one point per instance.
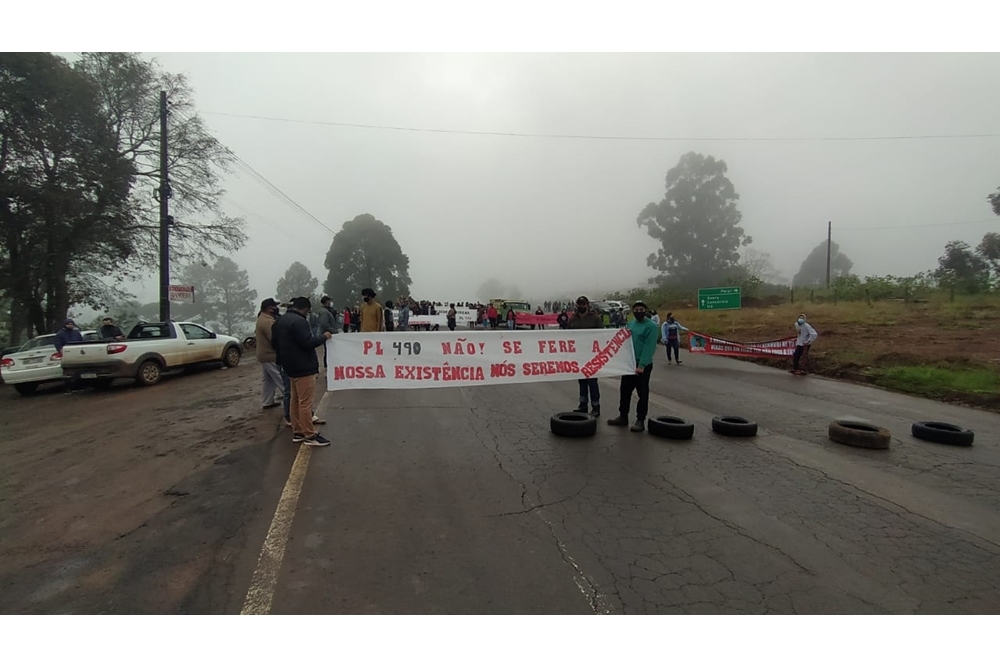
(672, 330)
(327, 320)
(295, 345)
(588, 320)
(65, 335)
(806, 334)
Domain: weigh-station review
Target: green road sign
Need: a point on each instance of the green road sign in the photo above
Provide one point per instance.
(719, 298)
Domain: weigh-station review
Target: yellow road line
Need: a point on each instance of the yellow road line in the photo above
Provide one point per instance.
(265, 577)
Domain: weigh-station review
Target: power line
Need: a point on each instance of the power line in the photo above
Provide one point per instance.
(936, 224)
(600, 137)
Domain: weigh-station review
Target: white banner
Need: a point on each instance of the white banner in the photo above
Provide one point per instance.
(463, 316)
(419, 360)
(182, 293)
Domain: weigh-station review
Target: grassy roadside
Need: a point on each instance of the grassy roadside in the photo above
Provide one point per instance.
(940, 349)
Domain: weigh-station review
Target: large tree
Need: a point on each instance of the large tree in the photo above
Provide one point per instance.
(960, 268)
(812, 272)
(64, 190)
(994, 200)
(364, 253)
(989, 251)
(224, 300)
(697, 223)
(297, 281)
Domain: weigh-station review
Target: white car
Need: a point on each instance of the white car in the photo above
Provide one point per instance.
(36, 362)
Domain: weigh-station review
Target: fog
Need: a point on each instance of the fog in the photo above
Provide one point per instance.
(558, 216)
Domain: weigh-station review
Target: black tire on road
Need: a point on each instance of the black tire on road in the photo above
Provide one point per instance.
(573, 424)
(672, 428)
(26, 388)
(149, 373)
(231, 357)
(735, 427)
(859, 434)
(943, 433)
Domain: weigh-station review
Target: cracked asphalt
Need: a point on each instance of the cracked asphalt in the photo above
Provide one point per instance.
(461, 501)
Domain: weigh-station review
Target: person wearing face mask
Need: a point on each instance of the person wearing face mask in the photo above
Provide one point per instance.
(265, 353)
(672, 337)
(563, 319)
(372, 315)
(586, 317)
(645, 334)
(806, 336)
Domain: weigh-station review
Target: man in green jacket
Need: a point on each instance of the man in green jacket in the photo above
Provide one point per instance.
(645, 335)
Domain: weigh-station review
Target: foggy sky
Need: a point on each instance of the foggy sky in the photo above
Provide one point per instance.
(561, 212)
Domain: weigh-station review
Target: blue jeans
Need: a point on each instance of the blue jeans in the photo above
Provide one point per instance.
(590, 386)
(286, 397)
(675, 345)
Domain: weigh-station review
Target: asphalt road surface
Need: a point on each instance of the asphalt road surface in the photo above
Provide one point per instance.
(462, 501)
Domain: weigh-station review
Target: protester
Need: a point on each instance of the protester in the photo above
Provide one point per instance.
(327, 321)
(389, 324)
(586, 317)
(452, 317)
(404, 315)
(644, 337)
(110, 331)
(266, 357)
(286, 383)
(372, 317)
(491, 313)
(296, 351)
(563, 319)
(68, 334)
(347, 319)
(511, 319)
(806, 336)
(671, 337)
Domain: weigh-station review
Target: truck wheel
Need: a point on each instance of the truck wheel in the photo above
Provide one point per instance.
(26, 388)
(232, 357)
(148, 374)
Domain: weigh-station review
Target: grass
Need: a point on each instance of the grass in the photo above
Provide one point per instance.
(941, 349)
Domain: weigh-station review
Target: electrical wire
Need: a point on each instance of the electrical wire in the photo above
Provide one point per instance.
(936, 224)
(600, 137)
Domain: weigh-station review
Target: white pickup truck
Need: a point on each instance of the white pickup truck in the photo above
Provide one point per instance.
(148, 351)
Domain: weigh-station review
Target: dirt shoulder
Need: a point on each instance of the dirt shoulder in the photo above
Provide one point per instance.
(132, 500)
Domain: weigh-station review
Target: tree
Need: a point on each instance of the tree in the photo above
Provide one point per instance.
(812, 272)
(297, 281)
(760, 267)
(223, 298)
(64, 190)
(989, 251)
(697, 223)
(960, 268)
(364, 253)
(994, 200)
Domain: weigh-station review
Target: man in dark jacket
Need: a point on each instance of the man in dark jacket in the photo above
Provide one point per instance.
(587, 318)
(295, 347)
(110, 330)
(68, 334)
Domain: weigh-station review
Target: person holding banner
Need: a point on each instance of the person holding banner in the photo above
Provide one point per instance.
(672, 337)
(807, 335)
(586, 317)
(644, 336)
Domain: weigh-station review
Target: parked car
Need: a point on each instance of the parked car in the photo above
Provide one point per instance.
(36, 362)
(150, 349)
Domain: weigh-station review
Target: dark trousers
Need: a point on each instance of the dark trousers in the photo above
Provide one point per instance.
(590, 386)
(797, 356)
(675, 345)
(451, 324)
(640, 385)
(286, 398)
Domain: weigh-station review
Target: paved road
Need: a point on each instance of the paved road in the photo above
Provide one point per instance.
(462, 501)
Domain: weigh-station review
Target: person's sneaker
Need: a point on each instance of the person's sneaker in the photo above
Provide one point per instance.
(639, 425)
(678, 362)
(318, 421)
(581, 408)
(298, 437)
(596, 412)
(316, 441)
(620, 420)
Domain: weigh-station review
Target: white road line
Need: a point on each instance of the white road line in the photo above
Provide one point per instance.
(265, 578)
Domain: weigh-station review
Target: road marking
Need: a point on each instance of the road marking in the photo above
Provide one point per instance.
(265, 577)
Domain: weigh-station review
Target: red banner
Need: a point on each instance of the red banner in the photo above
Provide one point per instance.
(531, 318)
(700, 343)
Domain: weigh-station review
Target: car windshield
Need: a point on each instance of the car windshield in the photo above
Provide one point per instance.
(41, 341)
(518, 305)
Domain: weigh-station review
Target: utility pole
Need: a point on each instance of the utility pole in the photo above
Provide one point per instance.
(829, 244)
(164, 197)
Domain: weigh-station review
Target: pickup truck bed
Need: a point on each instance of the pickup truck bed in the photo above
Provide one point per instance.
(148, 351)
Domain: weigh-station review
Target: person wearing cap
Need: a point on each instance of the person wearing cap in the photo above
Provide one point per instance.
(296, 350)
(68, 334)
(806, 336)
(327, 321)
(372, 316)
(266, 356)
(585, 317)
(110, 331)
(645, 335)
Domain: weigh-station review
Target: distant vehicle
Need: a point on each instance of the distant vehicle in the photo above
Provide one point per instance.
(617, 304)
(503, 305)
(35, 363)
(148, 351)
